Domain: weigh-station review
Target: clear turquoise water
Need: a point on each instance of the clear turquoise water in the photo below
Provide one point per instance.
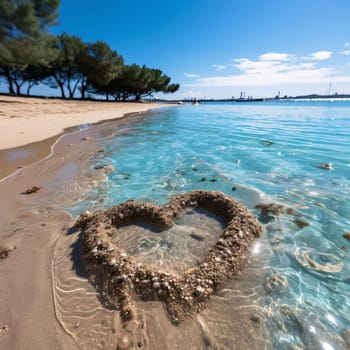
(258, 153)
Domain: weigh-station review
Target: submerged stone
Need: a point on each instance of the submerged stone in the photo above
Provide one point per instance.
(266, 142)
(326, 166)
(300, 223)
(275, 282)
(346, 235)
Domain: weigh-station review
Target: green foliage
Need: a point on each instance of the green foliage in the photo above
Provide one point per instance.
(29, 55)
(20, 18)
(99, 65)
(135, 82)
(24, 42)
(20, 56)
(65, 68)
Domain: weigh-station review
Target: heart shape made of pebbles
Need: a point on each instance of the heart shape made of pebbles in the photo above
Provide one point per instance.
(119, 275)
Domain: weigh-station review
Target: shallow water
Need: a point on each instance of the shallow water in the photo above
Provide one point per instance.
(176, 249)
(260, 153)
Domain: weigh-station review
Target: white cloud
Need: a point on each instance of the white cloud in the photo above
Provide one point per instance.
(189, 75)
(191, 94)
(275, 56)
(219, 67)
(268, 70)
(320, 55)
(293, 77)
(264, 67)
(346, 44)
(345, 52)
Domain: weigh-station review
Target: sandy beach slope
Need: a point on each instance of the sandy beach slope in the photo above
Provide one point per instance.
(34, 228)
(27, 120)
(29, 126)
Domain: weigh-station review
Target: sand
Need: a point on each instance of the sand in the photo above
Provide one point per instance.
(31, 225)
(27, 120)
(38, 122)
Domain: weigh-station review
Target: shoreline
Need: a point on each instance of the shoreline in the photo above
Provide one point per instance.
(36, 236)
(30, 126)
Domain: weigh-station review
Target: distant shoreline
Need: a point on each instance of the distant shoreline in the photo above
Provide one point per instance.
(264, 99)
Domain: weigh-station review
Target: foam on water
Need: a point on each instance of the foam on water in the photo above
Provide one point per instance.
(262, 154)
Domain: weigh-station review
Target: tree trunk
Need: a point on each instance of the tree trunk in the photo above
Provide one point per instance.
(18, 88)
(83, 92)
(83, 88)
(28, 89)
(63, 95)
(60, 85)
(30, 85)
(9, 82)
(72, 91)
(11, 89)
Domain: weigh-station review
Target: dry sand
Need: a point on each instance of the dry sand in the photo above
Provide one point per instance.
(27, 120)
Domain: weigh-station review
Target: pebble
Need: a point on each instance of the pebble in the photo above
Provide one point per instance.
(275, 282)
(266, 142)
(200, 289)
(31, 190)
(327, 166)
(346, 235)
(123, 343)
(300, 223)
(3, 329)
(5, 251)
(255, 318)
(156, 285)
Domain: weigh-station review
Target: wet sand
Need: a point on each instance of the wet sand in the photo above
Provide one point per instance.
(32, 224)
(47, 301)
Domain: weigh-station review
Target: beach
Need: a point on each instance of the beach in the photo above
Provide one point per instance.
(27, 120)
(47, 299)
(33, 226)
(39, 122)
(77, 274)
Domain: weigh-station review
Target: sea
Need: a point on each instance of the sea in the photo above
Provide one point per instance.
(288, 162)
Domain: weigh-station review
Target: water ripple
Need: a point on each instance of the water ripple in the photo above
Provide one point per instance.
(261, 154)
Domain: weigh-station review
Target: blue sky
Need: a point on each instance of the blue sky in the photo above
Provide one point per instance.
(218, 48)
